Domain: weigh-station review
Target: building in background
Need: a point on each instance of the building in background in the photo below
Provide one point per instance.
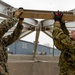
(27, 48)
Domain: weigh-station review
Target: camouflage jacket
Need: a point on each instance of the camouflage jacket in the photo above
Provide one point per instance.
(8, 40)
(5, 25)
(4, 42)
(67, 47)
(61, 39)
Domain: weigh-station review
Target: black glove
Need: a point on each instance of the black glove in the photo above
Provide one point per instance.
(21, 18)
(58, 16)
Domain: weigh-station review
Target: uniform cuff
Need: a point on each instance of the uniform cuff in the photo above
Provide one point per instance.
(20, 26)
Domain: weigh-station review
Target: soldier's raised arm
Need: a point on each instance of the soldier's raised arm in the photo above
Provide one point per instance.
(7, 40)
(61, 35)
(5, 25)
(9, 23)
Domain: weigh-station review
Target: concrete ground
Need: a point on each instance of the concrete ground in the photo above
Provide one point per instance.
(25, 65)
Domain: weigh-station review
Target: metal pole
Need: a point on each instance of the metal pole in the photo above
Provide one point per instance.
(53, 49)
(15, 47)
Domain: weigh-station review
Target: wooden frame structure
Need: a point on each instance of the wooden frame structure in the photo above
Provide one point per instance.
(37, 26)
(43, 14)
(68, 16)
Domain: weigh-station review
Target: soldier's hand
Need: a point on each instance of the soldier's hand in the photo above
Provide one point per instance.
(18, 12)
(58, 16)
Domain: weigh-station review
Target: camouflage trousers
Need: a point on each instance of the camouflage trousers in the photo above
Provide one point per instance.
(3, 69)
(67, 71)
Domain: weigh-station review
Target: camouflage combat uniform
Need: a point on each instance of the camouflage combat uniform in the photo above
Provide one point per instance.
(6, 25)
(66, 45)
(7, 40)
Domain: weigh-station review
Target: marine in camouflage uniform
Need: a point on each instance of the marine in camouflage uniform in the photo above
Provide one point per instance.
(66, 45)
(7, 40)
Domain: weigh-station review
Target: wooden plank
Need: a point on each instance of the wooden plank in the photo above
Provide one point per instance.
(43, 14)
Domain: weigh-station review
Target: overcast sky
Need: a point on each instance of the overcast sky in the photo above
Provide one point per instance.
(62, 5)
(43, 4)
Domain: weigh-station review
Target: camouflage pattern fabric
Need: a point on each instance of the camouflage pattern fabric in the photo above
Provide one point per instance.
(4, 42)
(6, 25)
(67, 47)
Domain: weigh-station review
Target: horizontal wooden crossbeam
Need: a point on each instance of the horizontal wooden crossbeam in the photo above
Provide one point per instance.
(39, 14)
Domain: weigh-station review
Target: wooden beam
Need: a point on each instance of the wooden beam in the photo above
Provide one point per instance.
(43, 14)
